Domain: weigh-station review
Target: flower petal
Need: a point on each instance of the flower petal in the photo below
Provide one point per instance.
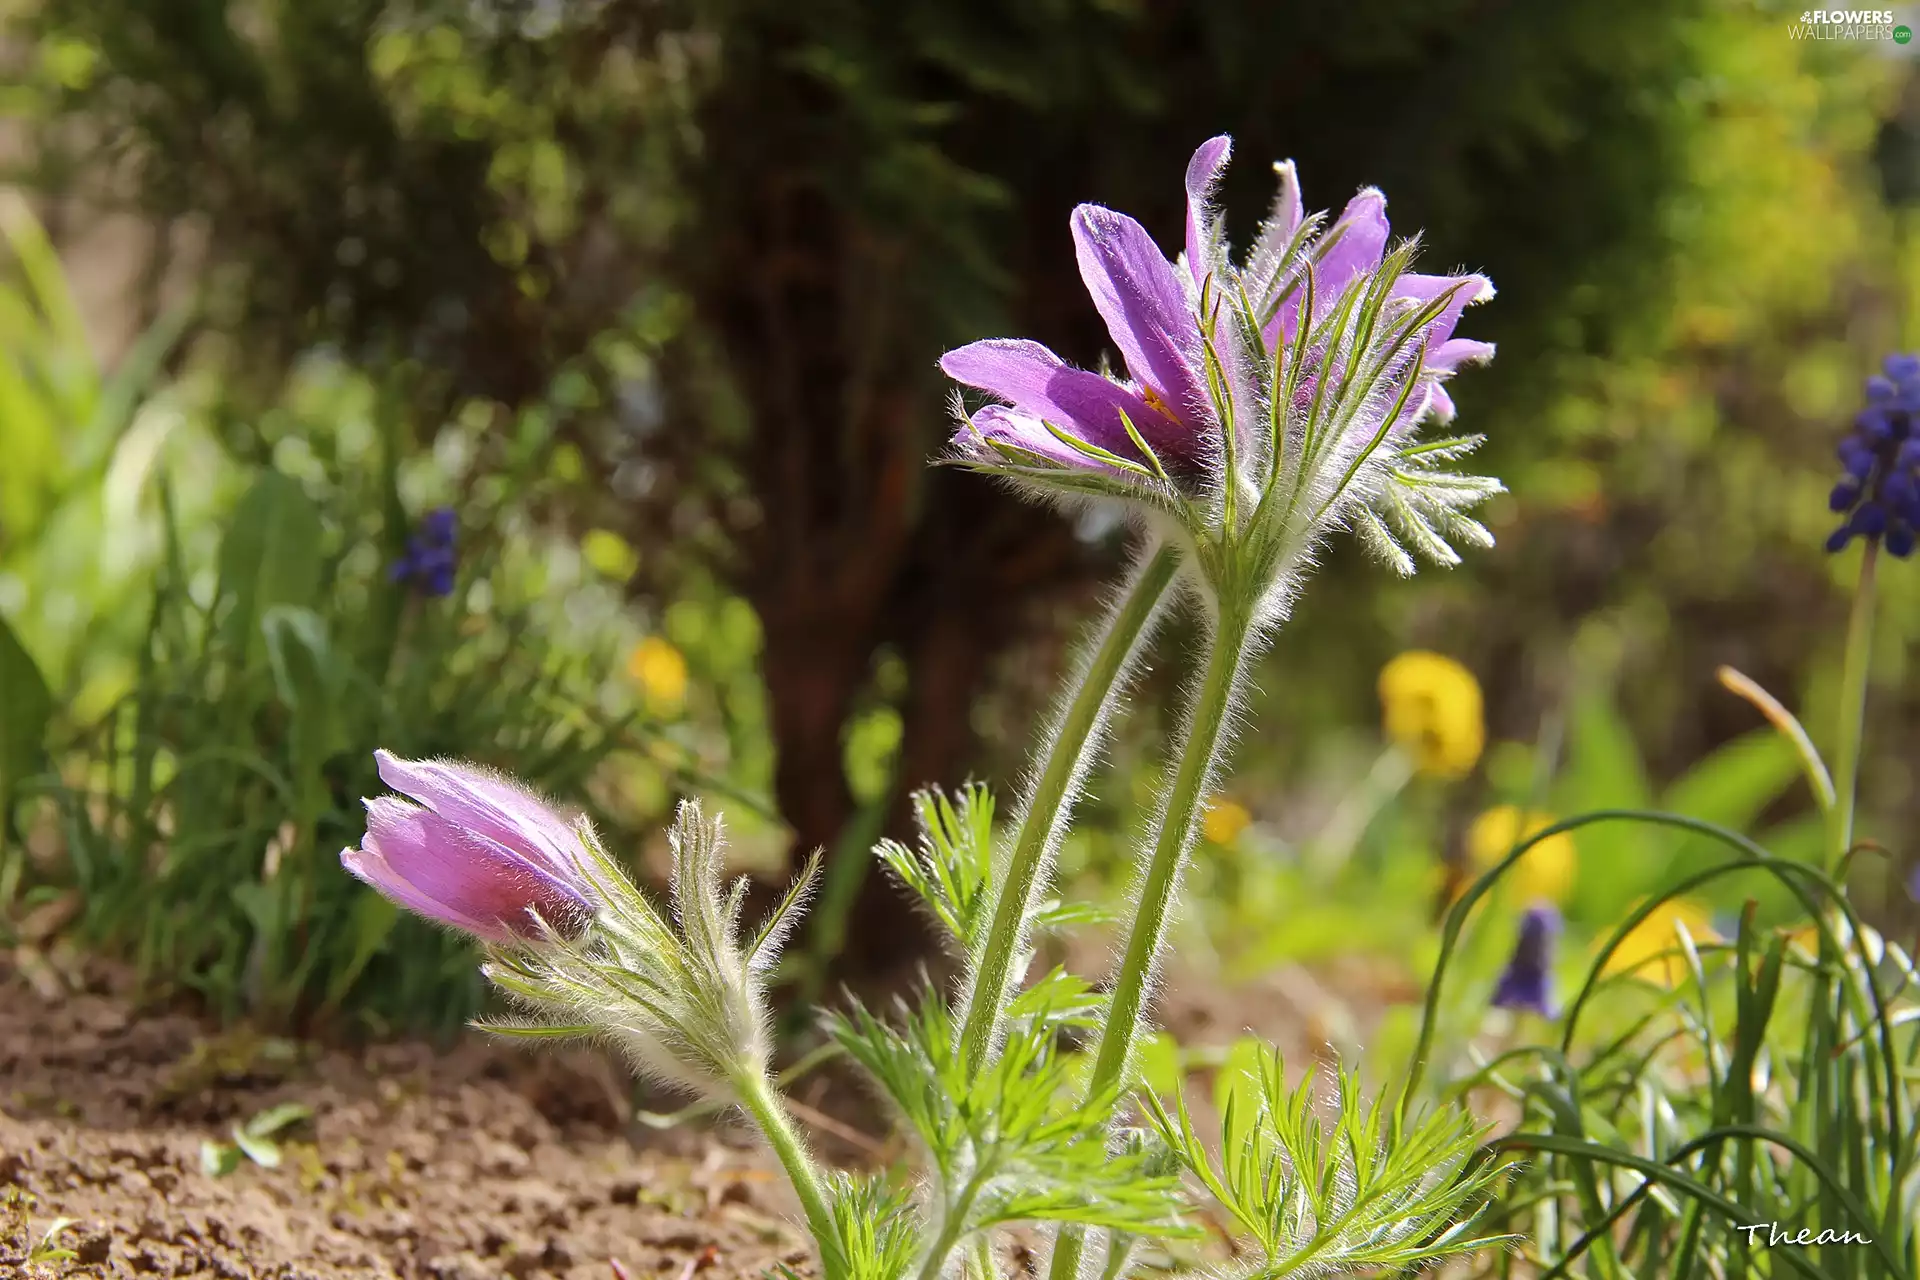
(1362, 232)
(489, 804)
(1264, 261)
(458, 875)
(1146, 309)
(1204, 234)
(1355, 245)
(1043, 386)
(1465, 291)
(371, 867)
(1454, 352)
(1027, 431)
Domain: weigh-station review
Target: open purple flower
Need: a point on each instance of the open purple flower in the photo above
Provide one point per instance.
(1204, 343)
(1880, 494)
(1527, 982)
(1152, 321)
(477, 852)
(1292, 253)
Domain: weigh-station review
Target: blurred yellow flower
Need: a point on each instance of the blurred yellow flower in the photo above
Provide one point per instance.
(1641, 951)
(661, 672)
(1432, 708)
(1544, 873)
(1225, 820)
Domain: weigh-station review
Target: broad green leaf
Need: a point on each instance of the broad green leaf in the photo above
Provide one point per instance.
(1604, 770)
(262, 1151)
(1239, 1078)
(26, 708)
(275, 1119)
(1160, 1068)
(372, 922)
(1736, 783)
(310, 682)
(270, 556)
(218, 1159)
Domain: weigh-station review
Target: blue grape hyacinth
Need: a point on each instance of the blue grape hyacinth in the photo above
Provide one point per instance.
(430, 562)
(1880, 494)
(1527, 982)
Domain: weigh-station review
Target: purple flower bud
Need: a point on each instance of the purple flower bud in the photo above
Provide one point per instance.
(1856, 455)
(1527, 982)
(1838, 539)
(439, 525)
(1899, 541)
(1902, 366)
(1844, 495)
(1870, 520)
(1898, 489)
(478, 851)
(430, 562)
(1874, 425)
(1880, 389)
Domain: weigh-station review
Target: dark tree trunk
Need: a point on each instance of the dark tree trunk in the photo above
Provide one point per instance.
(823, 301)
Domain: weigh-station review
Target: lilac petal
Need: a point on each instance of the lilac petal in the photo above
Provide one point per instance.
(458, 875)
(1042, 385)
(1362, 232)
(1268, 258)
(490, 805)
(1203, 233)
(1454, 352)
(371, 868)
(1464, 291)
(1141, 299)
(1358, 242)
(1026, 431)
(1288, 211)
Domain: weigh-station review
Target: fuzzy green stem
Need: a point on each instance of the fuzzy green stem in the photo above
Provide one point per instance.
(1853, 712)
(1070, 749)
(950, 1233)
(757, 1099)
(1120, 1034)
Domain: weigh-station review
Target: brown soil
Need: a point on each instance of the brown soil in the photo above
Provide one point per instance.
(485, 1161)
(488, 1160)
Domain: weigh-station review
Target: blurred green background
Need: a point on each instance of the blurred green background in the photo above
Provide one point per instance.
(649, 294)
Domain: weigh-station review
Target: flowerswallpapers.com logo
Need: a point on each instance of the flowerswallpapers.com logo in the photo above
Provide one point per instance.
(1851, 24)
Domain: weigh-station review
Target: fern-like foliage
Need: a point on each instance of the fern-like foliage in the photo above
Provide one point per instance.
(875, 1223)
(951, 869)
(1319, 1193)
(1009, 1144)
(1420, 508)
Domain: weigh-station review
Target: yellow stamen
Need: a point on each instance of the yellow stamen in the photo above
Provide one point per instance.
(1154, 401)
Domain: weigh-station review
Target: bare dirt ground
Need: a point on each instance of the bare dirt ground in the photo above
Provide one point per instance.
(485, 1161)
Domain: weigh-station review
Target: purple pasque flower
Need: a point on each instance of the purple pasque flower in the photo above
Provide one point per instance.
(1292, 254)
(1880, 494)
(1527, 982)
(478, 852)
(430, 561)
(1210, 348)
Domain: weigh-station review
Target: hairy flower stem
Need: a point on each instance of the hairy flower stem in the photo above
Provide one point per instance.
(757, 1098)
(1070, 751)
(1853, 713)
(1120, 1034)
